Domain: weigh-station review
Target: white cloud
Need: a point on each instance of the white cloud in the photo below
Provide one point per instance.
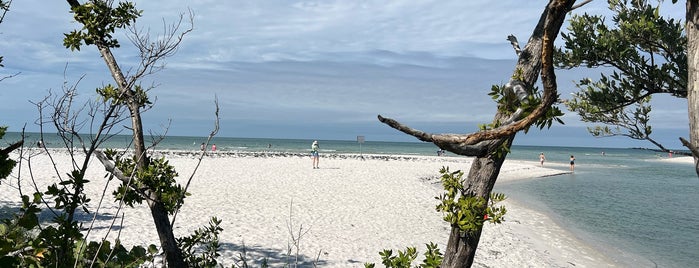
(283, 63)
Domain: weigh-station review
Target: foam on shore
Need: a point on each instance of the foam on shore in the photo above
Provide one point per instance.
(348, 211)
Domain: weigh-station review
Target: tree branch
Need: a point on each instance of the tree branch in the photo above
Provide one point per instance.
(546, 32)
(110, 167)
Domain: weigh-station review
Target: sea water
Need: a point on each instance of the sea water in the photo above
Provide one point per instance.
(628, 203)
(636, 208)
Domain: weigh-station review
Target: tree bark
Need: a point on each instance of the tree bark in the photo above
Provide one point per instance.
(693, 78)
(461, 247)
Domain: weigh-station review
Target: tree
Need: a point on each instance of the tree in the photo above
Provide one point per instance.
(143, 178)
(519, 107)
(647, 54)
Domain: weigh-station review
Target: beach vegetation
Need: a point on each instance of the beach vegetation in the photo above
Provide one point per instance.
(465, 210)
(647, 55)
(404, 259)
(201, 248)
(6, 163)
(27, 241)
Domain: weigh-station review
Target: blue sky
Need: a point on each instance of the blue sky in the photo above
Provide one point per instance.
(310, 69)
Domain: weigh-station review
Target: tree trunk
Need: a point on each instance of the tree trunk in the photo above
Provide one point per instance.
(693, 78)
(173, 254)
(461, 248)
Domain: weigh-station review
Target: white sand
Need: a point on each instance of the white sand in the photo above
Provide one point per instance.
(348, 211)
(679, 159)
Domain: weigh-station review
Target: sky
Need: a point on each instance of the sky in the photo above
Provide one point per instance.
(309, 69)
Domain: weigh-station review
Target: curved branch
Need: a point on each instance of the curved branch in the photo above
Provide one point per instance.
(467, 142)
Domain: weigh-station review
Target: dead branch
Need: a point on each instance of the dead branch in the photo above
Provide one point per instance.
(110, 167)
(151, 52)
(580, 5)
(468, 143)
(201, 156)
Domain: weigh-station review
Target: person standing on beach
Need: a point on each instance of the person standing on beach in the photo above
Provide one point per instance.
(202, 146)
(542, 158)
(572, 163)
(314, 154)
(213, 147)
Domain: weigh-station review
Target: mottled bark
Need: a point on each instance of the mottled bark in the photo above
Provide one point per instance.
(693, 78)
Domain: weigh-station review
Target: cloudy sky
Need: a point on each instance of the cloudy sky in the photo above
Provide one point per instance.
(309, 69)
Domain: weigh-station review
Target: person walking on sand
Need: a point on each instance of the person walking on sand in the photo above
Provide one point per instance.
(213, 147)
(542, 158)
(572, 163)
(314, 154)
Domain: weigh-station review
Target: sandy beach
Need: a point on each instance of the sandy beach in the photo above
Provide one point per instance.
(347, 211)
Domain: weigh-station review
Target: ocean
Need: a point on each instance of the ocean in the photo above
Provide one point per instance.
(627, 203)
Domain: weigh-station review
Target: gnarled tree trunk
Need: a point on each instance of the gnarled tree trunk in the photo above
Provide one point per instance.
(461, 248)
(485, 145)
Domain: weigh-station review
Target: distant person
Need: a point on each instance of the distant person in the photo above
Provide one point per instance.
(202, 147)
(542, 158)
(314, 154)
(40, 144)
(572, 163)
(213, 147)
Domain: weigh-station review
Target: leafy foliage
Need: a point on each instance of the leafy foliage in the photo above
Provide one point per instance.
(158, 176)
(6, 164)
(205, 241)
(111, 93)
(510, 102)
(18, 247)
(105, 255)
(100, 21)
(462, 209)
(647, 53)
(404, 259)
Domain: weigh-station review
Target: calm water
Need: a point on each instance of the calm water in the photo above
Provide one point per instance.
(626, 202)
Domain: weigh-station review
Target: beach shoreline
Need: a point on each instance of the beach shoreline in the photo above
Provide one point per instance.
(350, 209)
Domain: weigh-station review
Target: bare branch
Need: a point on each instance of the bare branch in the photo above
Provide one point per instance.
(201, 156)
(580, 5)
(9, 76)
(694, 150)
(5, 7)
(151, 52)
(545, 34)
(111, 167)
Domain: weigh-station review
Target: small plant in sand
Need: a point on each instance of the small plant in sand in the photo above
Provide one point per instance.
(461, 209)
(433, 258)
